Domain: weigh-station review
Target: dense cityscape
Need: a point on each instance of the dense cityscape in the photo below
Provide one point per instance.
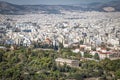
(73, 45)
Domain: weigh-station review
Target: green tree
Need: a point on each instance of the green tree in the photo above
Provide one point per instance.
(117, 74)
(79, 56)
(87, 55)
(78, 76)
(81, 41)
(96, 56)
(1, 55)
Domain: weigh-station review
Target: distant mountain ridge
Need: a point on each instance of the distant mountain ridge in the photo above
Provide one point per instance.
(101, 6)
(8, 8)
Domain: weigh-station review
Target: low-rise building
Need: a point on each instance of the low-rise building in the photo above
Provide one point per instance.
(3, 48)
(71, 63)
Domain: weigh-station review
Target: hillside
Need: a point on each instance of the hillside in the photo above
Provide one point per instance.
(100, 6)
(8, 8)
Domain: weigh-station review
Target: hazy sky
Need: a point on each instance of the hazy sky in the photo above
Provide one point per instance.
(53, 2)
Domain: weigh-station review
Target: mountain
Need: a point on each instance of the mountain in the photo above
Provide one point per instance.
(96, 6)
(8, 8)
(114, 4)
(108, 6)
(56, 9)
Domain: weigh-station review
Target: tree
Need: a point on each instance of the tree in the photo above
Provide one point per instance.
(61, 45)
(1, 55)
(96, 56)
(87, 55)
(79, 76)
(117, 74)
(79, 56)
(81, 41)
